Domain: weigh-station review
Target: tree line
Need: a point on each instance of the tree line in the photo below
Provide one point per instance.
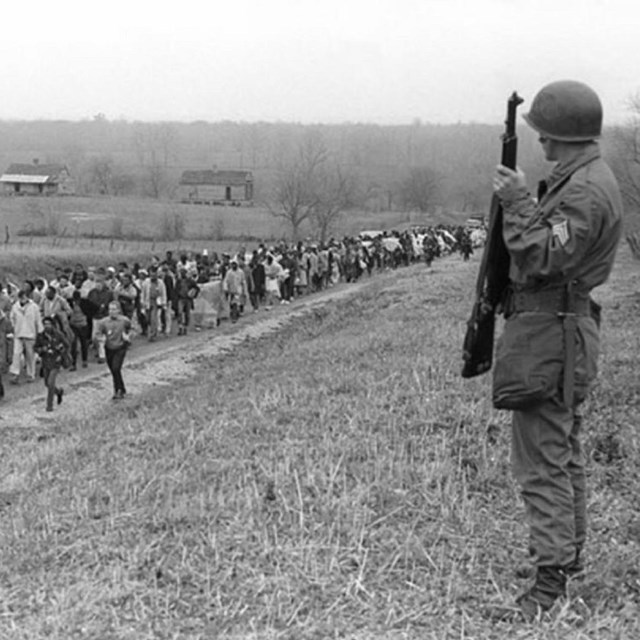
(303, 172)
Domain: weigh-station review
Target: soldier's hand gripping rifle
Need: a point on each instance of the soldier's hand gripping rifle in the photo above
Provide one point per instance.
(493, 277)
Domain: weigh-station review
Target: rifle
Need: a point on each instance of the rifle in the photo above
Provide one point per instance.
(493, 276)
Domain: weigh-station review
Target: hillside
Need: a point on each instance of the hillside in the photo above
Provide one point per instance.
(335, 479)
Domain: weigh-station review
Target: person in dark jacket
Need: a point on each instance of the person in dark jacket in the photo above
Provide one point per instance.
(52, 347)
(186, 289)
(169, 310)
(100, 297)
(5, 330)
(259, 280)
(79, 322)
(127, 294)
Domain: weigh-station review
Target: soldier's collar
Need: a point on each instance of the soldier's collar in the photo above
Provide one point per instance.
(562, 171)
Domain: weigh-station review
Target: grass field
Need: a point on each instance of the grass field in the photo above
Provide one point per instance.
(143, 218)
(103, 231)
(130, 217)
(339, 480)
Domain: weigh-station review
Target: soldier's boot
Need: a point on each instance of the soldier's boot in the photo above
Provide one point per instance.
(574, 569)
(550, 585)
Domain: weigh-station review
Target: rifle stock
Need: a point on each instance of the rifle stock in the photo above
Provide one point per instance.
(493, 275)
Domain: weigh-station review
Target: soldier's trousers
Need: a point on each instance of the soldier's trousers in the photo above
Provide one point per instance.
(548, 463)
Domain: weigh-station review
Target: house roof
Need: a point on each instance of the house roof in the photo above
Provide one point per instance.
(24, 179)
(33, 173)
(229, 178)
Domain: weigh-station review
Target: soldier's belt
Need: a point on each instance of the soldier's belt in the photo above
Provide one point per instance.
(550, 301)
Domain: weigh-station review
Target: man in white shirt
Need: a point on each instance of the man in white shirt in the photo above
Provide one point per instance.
(27, 324)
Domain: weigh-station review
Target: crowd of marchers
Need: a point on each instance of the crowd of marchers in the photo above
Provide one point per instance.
(91, 314)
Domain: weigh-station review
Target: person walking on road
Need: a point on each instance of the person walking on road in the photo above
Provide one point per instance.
(116, 329)
(52, 347)
(79, 322)
(5, 330)
(27, 324)
(186, 290)
(100, 296)
(234, 286)
(153, 297)
(55, 305)
(273, 275)
(561, 247)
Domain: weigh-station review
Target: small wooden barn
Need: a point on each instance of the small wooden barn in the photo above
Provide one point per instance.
(209, 186)
(37, 180)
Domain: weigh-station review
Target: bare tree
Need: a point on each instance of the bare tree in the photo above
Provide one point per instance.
(155, 180)
(295, 194)
(626, 165)
(335, 192)
(634, 244)
(154, 146)
(101, 174)
(472, 196)
(626, 141)
(108, 179)
(421, 188)
(123, 184)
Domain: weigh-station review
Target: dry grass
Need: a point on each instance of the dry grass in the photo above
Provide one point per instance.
(142, 218)
(135, 229)
(337, 480)
(78, 216)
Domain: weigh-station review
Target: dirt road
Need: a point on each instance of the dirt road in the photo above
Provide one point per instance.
(88, 391)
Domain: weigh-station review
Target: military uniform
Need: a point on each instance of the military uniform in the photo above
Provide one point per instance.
(560, 249)
(569, 239)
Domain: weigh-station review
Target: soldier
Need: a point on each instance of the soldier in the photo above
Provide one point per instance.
(560, 249)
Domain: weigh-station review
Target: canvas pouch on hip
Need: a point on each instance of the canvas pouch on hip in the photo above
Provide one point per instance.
(530, 360)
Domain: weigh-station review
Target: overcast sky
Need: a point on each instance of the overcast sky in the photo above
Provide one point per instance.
(380, 61)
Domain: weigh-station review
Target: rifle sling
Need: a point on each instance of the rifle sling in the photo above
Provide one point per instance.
(569, 327)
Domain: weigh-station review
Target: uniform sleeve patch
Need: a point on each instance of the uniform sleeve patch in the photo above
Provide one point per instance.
(561, 232)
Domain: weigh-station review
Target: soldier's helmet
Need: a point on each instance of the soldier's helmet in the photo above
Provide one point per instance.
(566, 110)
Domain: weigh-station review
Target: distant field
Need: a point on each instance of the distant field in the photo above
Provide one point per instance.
(131, 217)
(143, 218)
(104, 231)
